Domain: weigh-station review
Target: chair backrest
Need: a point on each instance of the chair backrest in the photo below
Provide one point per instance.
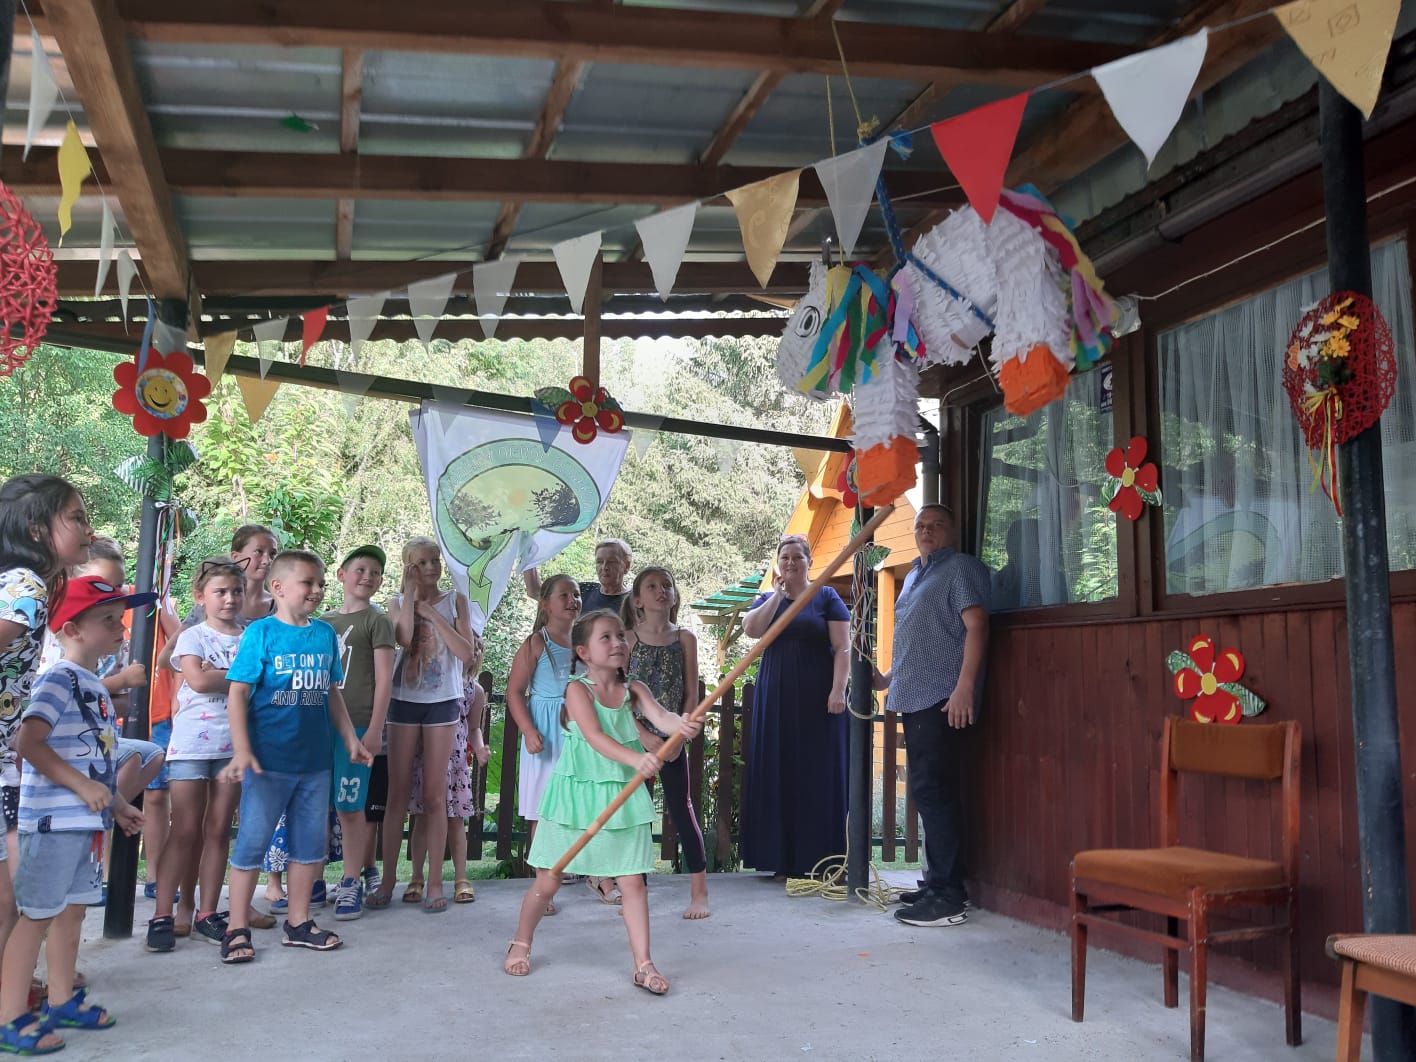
(1261, 751)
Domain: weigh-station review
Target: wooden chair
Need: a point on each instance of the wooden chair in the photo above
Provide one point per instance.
(1380, 963)
(1192, 884)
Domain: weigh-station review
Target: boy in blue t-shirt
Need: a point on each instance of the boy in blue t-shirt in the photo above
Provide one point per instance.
(284, 698)
(68, 799)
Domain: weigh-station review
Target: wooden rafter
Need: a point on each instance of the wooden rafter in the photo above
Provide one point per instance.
(663, 37)
(91, 37)
(1012, 17)
(351, 98)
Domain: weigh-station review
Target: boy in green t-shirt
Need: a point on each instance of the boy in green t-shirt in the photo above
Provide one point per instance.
(366, 648)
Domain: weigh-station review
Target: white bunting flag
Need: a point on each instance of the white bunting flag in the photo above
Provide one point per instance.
(426, 301)
(270, 336)
(126, 272)
(641, 439)
(363, 314)
(575, 258)
(352, 387)
(727, 454)
(665, 238)
(167, 338)
(105, 249)
(1147, 91)
(491, 285)
(448, 402)
(849, 181)
(44, 90)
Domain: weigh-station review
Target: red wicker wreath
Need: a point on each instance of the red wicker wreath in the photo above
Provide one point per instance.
(28, 283)
(1340, 375)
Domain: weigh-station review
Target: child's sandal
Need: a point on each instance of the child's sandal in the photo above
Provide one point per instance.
(517, 967)
(309, 935)
(414, 892)
(26, 1035)
(73, 1014)
(651, 980)
(234, 941)
(463, 892)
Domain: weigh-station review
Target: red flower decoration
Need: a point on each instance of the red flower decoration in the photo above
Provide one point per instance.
(590, 409)
(1137, 483)
(1204, 683)
(166, 396)
(846, 482)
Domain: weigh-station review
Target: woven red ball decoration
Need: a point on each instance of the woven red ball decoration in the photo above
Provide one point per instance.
(1366, 378)
(28, 283)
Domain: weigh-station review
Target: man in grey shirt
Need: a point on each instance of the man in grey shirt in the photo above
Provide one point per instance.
(941, 639)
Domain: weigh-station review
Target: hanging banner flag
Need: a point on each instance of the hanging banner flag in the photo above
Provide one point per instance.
(74, 167)
(575, 258)
(126, 272)
(498, 497)
(1347, 41)
(849, 181)
(218, 353)
(665, 239)
(764, 213)
(270, 342)
(44, 90)
(491, 286)
(312, 326)
(1147, 91)
(977, 145)
(363, 314)
(105, 248)
(352, 387)
(426, 301)
(257, 395)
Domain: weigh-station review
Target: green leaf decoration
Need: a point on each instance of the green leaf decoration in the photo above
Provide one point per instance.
(187, 521)
(1178, 661)
(296, 124)
(1150, 497)
(1251, 703)
(181, 455)
(1110, 489)
(875, 555)
(612, 405)
(146, 476)
(554, 397)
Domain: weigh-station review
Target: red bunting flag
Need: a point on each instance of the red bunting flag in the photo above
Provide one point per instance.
(977, 145)
(312, 328)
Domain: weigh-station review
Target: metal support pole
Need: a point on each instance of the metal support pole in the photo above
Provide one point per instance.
(929, 462)
(1380, 821)
(859, 791)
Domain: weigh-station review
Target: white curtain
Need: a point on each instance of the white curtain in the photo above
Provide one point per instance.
(1235, 474)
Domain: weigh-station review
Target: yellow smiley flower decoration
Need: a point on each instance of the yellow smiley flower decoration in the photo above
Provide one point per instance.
(163, 395)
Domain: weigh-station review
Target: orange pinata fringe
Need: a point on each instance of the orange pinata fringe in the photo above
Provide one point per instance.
(886, 471)
(1029, 385)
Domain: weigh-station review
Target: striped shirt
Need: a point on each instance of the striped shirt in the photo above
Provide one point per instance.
(80, 715)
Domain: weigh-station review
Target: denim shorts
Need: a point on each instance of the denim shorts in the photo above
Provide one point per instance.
(161, 736)
(196, 770)
(130, 747)
(419, 713)
(304, 801)
(58, 869)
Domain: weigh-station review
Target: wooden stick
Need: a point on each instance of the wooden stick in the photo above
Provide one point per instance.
(669, 747)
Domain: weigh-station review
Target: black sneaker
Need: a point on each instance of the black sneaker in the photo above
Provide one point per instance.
(913, 896)
(933, 910)
(211, 928)
(160, 934)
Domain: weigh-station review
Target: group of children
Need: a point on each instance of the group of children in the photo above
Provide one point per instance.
(286, 719)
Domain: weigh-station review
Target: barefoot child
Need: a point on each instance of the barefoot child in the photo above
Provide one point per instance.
(366, 648)
(664, 656)
(68, 799)
(198, 751)
(601, 754)
(284, 699)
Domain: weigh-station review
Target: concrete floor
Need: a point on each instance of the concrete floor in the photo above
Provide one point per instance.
(767, 977)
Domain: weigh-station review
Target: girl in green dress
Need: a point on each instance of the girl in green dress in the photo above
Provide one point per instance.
(602, 753)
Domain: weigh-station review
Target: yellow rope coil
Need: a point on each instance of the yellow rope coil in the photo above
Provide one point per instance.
(828, 881)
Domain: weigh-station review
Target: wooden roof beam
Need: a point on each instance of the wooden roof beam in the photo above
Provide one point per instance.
(1014, 15)
(94, 44)
(351, 101)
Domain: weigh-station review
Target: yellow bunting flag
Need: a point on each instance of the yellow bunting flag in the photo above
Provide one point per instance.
(73, 168)
(218, 352)
(764, 213)
(1347, 40)
(256, 393)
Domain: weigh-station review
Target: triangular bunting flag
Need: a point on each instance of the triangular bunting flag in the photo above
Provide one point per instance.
(218, 353)
(169, 337)
(491, 285)
(448, 402)
(641, 440)
(363, 315)
(74, 167)
(547, 426)
(426, 301)
(257, 395)
(976, 147)
(145, 344)
(44, 90)
(849, 181)
(665, 238)
(764, 213)
(727, 454)
(575, 258)
(105, 249)
(270, 336)
(352, 387)
(126, 272)
(1348, 42)
(1147, 91)
(311, 328)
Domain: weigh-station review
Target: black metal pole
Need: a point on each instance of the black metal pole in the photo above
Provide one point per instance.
(929, 458)
(1380, 821)
(859, 791)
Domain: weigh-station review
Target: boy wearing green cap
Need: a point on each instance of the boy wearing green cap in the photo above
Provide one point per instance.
(366, 646)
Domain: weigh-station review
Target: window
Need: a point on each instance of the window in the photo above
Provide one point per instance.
(1234, 467)
(1046, 532)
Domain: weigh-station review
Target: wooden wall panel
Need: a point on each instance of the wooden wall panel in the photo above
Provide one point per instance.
(1067, 759)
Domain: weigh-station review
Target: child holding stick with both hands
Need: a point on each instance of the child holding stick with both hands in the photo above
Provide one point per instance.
(601, 755)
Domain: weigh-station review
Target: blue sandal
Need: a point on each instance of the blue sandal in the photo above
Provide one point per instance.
(74, 1015)
(14, 1041)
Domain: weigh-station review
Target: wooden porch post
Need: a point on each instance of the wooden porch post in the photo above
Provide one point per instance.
(1380, 821)
(590, 356)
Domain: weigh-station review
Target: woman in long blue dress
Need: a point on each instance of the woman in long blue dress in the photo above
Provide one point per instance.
(795, 805)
